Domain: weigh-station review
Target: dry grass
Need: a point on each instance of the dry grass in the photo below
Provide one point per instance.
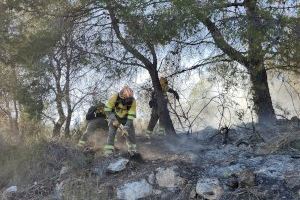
(31, 162)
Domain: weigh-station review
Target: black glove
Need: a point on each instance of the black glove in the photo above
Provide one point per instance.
(150, 103)
(174, 92)
(176, 95)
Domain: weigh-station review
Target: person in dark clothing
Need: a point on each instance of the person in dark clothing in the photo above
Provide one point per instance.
(155, 112)
(96, 122)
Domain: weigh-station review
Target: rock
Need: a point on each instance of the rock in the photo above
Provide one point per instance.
(151, 178)
(64, 170)
(11, 189)
(134, 190)
(209, 188)
(193, 194)
(9, 193)
(168, 177)
(118, 165)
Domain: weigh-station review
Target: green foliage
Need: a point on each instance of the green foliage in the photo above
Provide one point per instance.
(38, 45)
(25, 38)
(275, 25)
(289, 47)
(156, 23)
(32, 101)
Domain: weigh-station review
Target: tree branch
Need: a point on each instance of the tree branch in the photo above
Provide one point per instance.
(152, 50)
(123, 41)
(211, 61)
(222, 44)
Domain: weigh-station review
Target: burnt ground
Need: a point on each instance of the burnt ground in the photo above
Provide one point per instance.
(203, 154)
(244, 173)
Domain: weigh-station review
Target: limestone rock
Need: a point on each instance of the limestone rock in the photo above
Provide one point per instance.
(134, 190)
(151, 178)
(12, 189)
(168, 177)
(193, 194)
(209, 188)
(118, 165)
(9, 193)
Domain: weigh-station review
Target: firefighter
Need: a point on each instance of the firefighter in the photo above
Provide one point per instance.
(121, 110)
(153, 104)
(96, 121)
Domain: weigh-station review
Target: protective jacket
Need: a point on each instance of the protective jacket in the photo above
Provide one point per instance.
(122, 109)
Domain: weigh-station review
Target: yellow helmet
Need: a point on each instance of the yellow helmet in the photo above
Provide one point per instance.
(126, 92)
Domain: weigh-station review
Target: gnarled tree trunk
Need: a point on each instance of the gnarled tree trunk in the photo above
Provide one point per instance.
(59, 105)
(258, 75)
(253, 61)
(261, 95)
(164, 114)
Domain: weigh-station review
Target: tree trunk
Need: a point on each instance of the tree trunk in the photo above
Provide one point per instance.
(59, 95)
(57, 128)
(164, 114)
(67, 94)
(261, 95)
(258, 75)
(58, 125)
(69, 114)
(67, 126)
